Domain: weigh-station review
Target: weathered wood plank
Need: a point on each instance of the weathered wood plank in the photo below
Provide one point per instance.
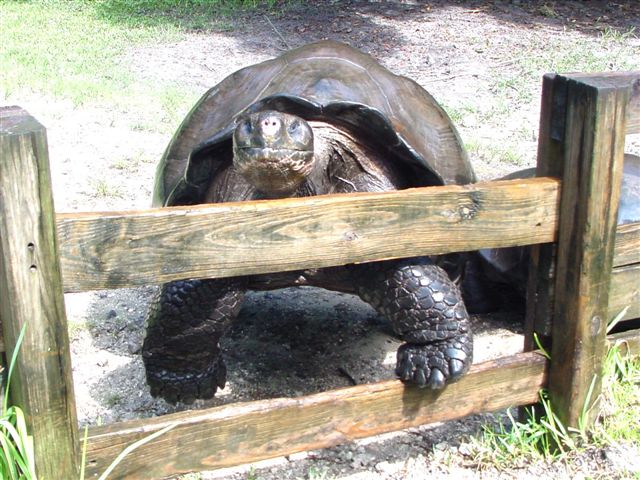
(248, 432)
(622, 80)
(593, 159)
(98, 250)
(31, 293)
(551, 139)
(551, 153)
(625, 291)
(633, 108)
(627, 249)
(628, 342)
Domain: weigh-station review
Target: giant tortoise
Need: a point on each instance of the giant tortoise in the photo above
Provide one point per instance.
(321, 119)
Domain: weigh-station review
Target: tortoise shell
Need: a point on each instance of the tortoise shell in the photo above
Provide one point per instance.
(324, 81)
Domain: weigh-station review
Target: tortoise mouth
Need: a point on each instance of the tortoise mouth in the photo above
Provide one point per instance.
(274, 171)
(273, 154)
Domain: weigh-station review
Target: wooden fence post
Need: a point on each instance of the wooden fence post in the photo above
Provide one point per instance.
(583, 142)
(539, 311)
(31, 295)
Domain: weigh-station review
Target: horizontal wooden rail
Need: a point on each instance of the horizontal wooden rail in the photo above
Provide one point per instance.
(248, 432)
(627, 248)
(626, 252)
(625, 291)
(628, 342)
(112, 250)
(625, 276)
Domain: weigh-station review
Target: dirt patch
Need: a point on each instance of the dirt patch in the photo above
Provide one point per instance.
(474, 57)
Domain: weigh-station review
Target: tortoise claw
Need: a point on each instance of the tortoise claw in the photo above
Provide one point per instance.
(186, 387)
(431, 365)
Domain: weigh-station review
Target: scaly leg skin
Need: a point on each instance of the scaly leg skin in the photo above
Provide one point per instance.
(184, 324)
(426, 310)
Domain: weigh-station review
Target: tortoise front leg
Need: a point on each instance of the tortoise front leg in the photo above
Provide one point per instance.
(426, 310)
(184, 324)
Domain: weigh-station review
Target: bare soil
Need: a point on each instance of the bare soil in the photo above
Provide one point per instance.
(297, 341)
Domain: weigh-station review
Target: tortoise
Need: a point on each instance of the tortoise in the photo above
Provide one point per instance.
(495, 269)
(320, 119)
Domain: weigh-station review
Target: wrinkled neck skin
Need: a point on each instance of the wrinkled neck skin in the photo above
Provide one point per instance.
(341, 165)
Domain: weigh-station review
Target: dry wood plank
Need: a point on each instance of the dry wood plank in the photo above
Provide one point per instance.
(248, 432)
(593, 157)
(99, 249)
(628, 342)
(627, 249)
(625, 291)
(31, 293)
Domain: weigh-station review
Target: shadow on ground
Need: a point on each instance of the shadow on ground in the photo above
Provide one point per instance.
(362, 23)
(285, 343)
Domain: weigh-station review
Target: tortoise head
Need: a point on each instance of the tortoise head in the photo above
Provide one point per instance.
(273, 151)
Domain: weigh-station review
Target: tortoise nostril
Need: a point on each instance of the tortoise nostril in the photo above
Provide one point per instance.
(271, 125)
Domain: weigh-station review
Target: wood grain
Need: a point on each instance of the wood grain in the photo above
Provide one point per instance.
(625, 291)
(540, 284)
(593, 153)
(627, 249)
(633, 108)
(248, 432)
(99, 250)
(618, 80)
(31, 293)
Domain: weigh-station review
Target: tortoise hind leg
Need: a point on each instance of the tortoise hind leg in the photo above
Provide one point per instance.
(184, 324)
(426, 310)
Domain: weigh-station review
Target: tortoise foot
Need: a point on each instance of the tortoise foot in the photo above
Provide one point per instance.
(186, 387)
(181, 352)
(434, 365)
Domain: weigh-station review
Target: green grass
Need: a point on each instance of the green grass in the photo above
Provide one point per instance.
(186, 14)
(514, 89)
(611, 51)
(67, 50)
(619, 419)
(544, 438)
(16, 445)
(77, 50)
(104, 189)
(318, 474)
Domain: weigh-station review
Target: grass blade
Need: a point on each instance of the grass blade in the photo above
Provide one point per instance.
(132, 447)
(83, 460)
(617, 319)
(14, 356)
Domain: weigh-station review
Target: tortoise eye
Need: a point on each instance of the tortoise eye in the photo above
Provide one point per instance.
(295, 125)
(245, 126)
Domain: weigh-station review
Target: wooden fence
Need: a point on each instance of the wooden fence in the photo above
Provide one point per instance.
(582, 273)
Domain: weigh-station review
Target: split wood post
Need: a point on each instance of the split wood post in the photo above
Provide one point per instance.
(581, 141)
(31, 295)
